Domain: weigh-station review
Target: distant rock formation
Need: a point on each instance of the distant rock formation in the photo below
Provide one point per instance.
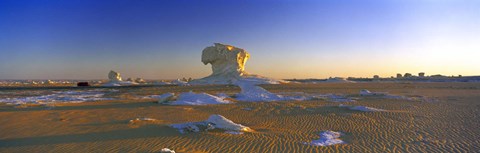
(116, 80)
(421, 74)
(139, 80)
(114, 76)
(136, 80)
(399, 75)
(49, 82)
(228, 66)
(338, 80)
(130, 79)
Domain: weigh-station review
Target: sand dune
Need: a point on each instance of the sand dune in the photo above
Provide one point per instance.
(448, 124)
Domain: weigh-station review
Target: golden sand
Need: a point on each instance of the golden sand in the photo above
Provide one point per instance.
(449, 122)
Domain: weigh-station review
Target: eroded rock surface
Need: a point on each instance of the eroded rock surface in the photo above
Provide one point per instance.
(114, 76)
(228, 66)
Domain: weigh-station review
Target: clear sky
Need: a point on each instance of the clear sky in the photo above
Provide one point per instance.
(163, 39)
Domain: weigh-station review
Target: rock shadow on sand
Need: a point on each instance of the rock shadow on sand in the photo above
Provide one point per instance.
(147, 131)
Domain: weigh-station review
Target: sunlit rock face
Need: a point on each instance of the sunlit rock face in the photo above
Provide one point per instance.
(226, 60)
(114, 76)
(228, 65)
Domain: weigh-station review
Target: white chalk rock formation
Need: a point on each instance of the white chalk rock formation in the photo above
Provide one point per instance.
(213, 122)
(226, 60)
(166, 150)
(253, 93)
(116, 80)
(49, 82)
(191, 98)
(114, 76)
(365, 92)
(135, 80)
(228, 66)
(221, 122)
(139, 80)
(328, 138)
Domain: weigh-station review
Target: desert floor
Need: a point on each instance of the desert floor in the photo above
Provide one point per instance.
(448, 122)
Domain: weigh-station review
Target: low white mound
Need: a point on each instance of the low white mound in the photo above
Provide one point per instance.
(327, 138)
(191, 98)
(163, 98)
(119, 83)
(166, 150)
(60, 97)
(221, 122)
(143, 119)
(365, 92)
(252, 93)
(179, 82)
(213, 122)
(362, 108)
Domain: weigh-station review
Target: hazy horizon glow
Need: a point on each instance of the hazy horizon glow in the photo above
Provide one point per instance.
(83, 39)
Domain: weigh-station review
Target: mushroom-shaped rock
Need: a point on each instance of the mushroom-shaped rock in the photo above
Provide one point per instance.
(228, 66)
(226, 60)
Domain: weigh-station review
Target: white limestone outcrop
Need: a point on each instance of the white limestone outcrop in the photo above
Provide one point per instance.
(116, 80)
(114, 76)
(221, 122)
(228, 66)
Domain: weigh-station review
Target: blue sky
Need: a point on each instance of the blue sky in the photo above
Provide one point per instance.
(163, 39)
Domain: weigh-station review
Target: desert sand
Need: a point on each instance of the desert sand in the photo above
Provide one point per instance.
(447, 121)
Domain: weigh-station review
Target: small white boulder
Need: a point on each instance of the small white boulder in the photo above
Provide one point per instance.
(221, 122)
(327, 138)
(166, 150)
(191, 98)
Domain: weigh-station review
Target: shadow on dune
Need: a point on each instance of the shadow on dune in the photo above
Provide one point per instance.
(105, 123)
(82, 107)
(148, 131)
